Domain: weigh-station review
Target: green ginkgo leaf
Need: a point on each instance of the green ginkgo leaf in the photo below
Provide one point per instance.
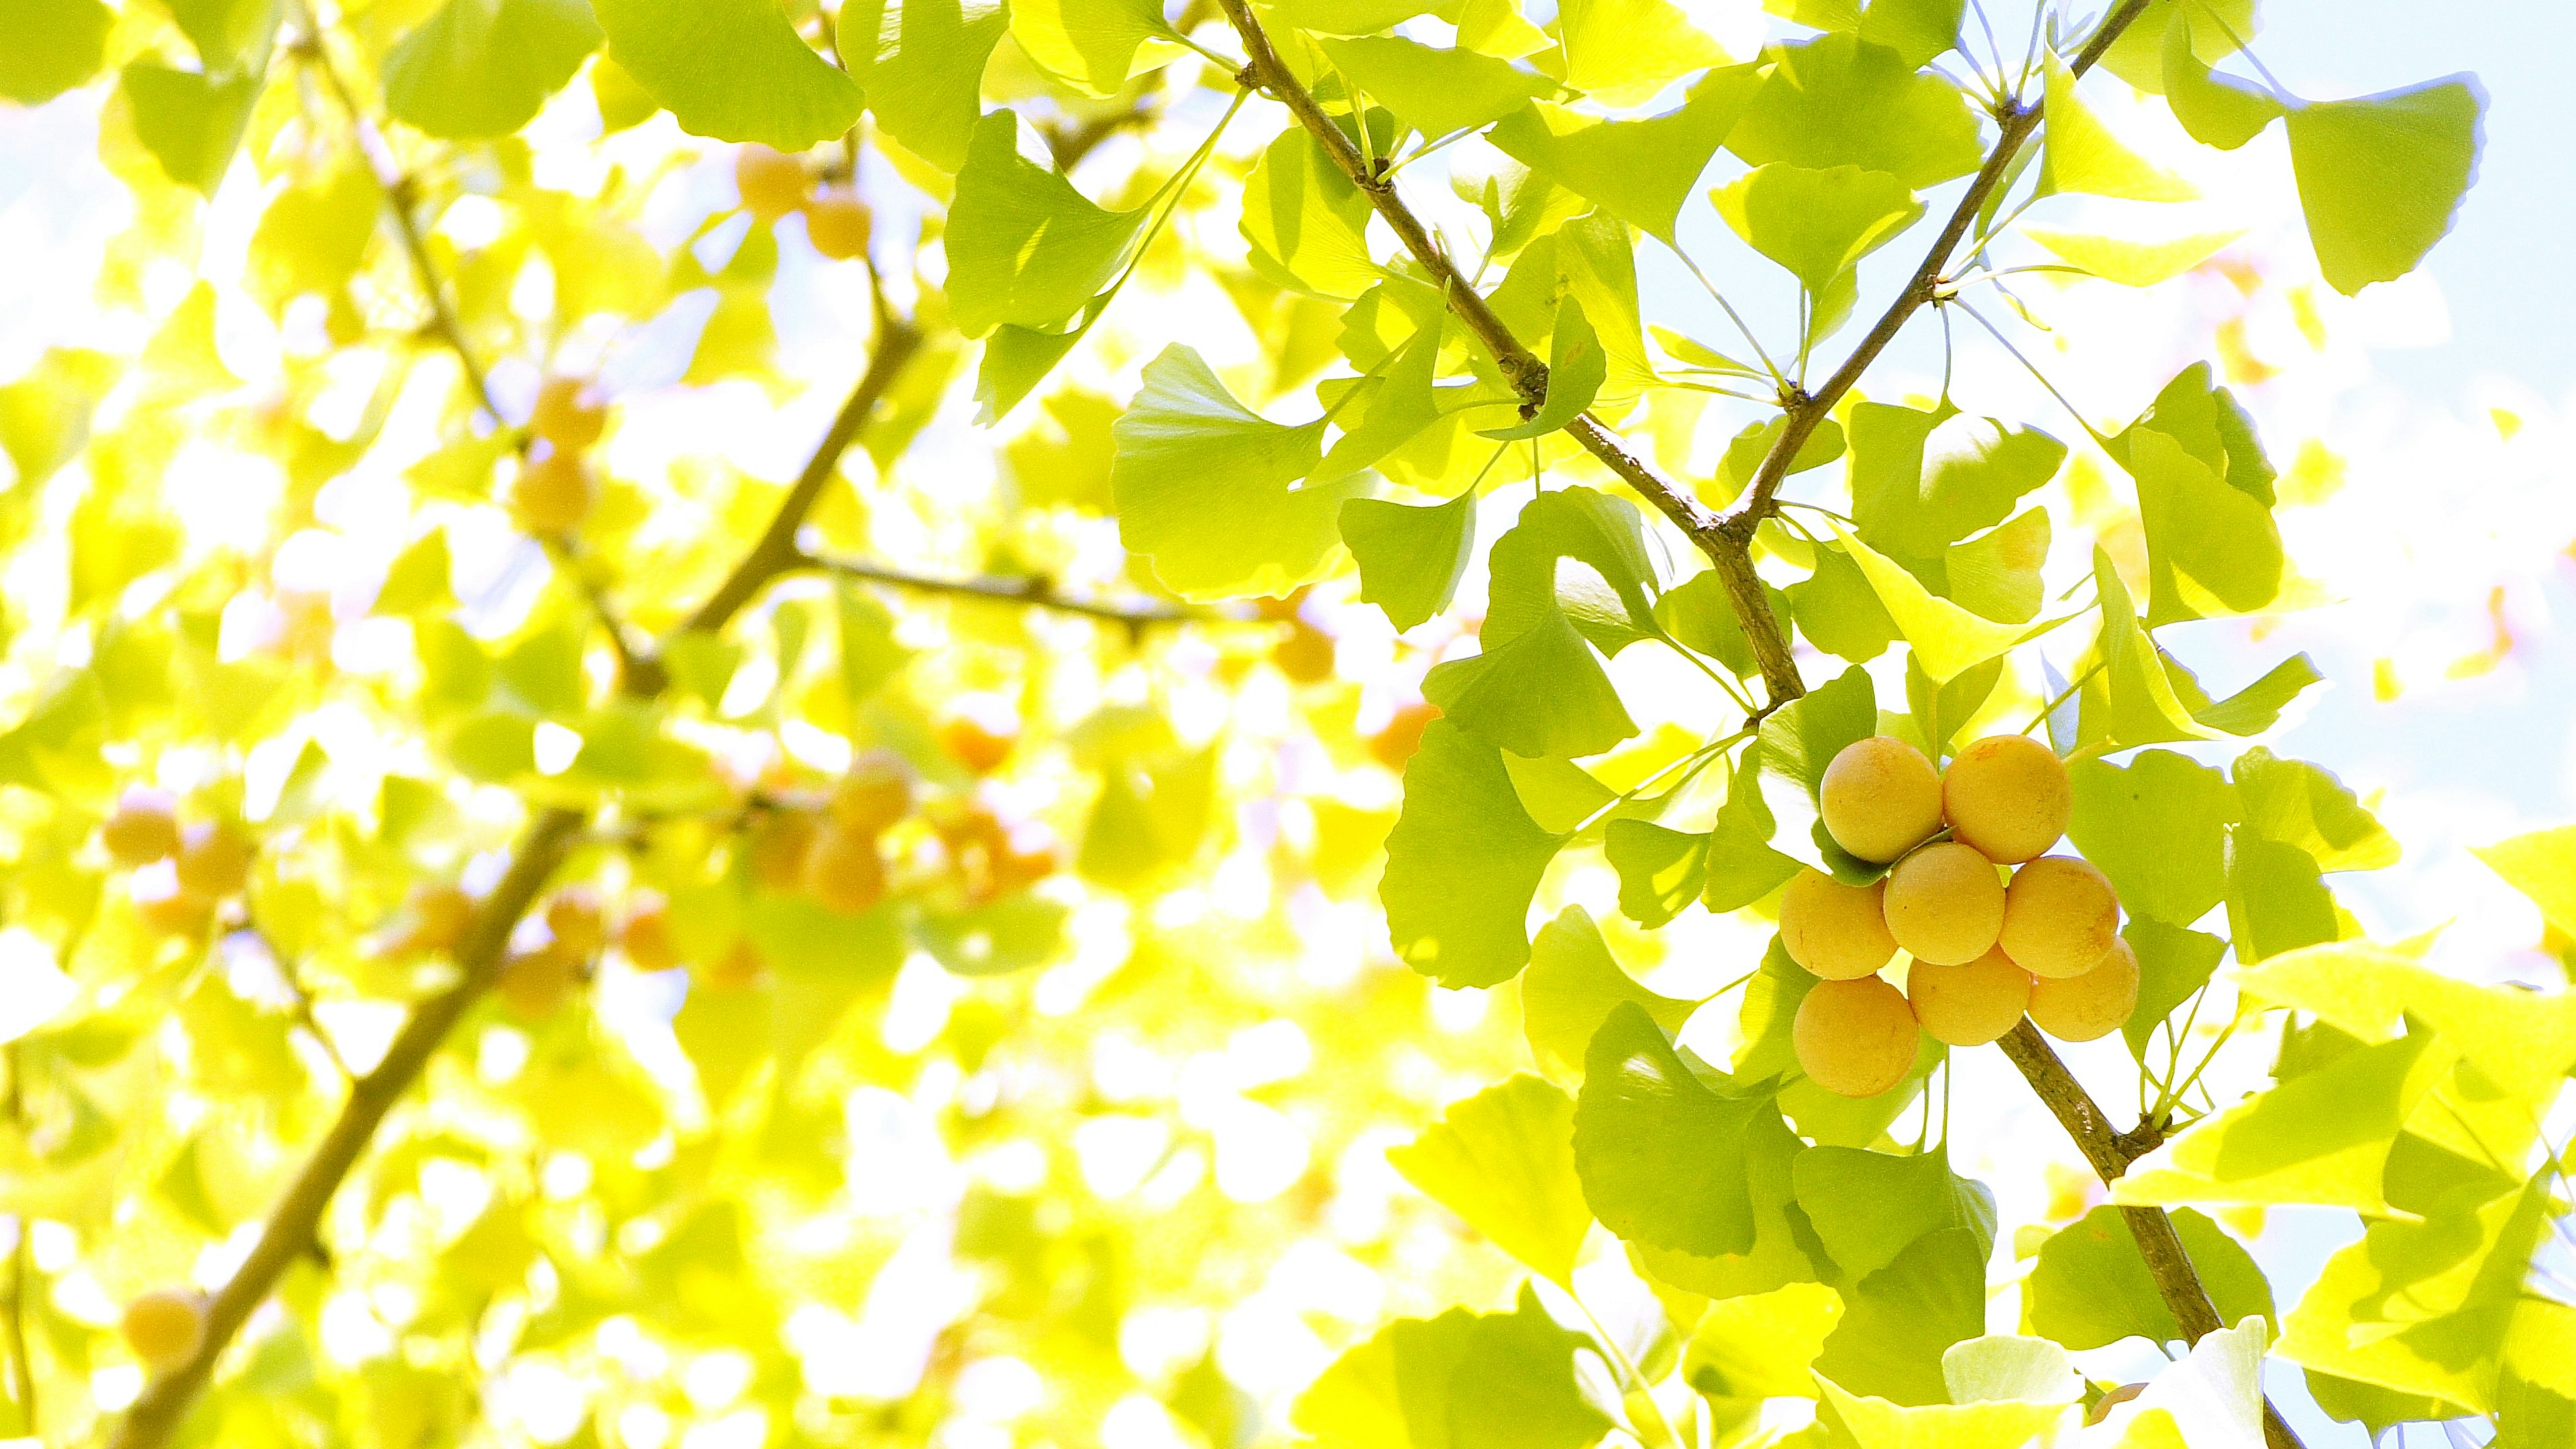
(190, 123)
(2381, 177)
(731, 69)
(2218, 110)
(1462, 864)
(921, 63)
(1410, 556)
(54, 45)
(1435, 91)
(1840, 100)
(1307, 224)
(1570, 987)
(484, 67)
(1205, 487)
(1622, 52)
(1504, 1161)
(1024, 247)
(1640, 171)
(2158, 828)
(2083, 154)
(1818, 224)
(2091, 1288)
(1660, 1151)
(1095, 46)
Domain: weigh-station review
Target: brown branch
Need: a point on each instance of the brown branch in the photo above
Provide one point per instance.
(400, 193)
(1527, 374)
(1034, 591)
(2110, 1153)
(292, 1227)
(2017, 123)
(776, 552)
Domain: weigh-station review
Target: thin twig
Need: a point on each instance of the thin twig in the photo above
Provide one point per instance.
(400, 193)
(1033, 590)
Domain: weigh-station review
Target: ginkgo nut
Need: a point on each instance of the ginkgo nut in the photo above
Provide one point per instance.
(1837, 931)
(844, 871)
(569, 413)
(214, 861)
(2095, 1004)
(1854, 1038)
(1971, 1004)
(771, 183)
(2060, 916)
(552, 492)
(2008, 796)
(1945, 904)
(1879, 798)
(873, 794)
(645, 935)
(533, 984)
(164, 1327)
(143, 828)
(838, 223)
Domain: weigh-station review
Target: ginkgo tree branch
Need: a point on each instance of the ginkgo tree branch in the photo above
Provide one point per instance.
(1727, 541)
(1034, 591)
(1730, 553)
(293, 1224)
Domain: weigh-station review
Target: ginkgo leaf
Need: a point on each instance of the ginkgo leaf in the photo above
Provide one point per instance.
(921, 63)
(1401, 405)
(1571, 985)
(2132, 263)
(484, 67)
(1840, 100)
(731, 69)
(1922, 481)
(1947, 639)
(2519, 1038)
(2137, 55)
(1204, 487)
(1462, 864)
(1435, 91)
(1868, 1207)
(54, 46)
(2002, 1366)
(1758, 1346)
(2541, 865)
(1900, 1320)
(2217, 110)
(2211, 549)
(1576, 368)
(1640, 171)
(190, 123)
(1661, 1152)
(1504, 1161)
(2158, 828)
(2127, 697)
(1623, 52)
(2304, 805)
(2083, 154)
(1919, 31)
(1875, 1422)
(2381, 177)
(1536, 689)
(1997, 575)
(1818, 224)
(1094, 46)
(2091, 1288)
(1410, 556)
(1307, 224)
(1459, 1381)
(1839, 612)
(1024, 247)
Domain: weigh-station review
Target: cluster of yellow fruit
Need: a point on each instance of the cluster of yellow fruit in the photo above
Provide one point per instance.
(554, 488)
(211, 859)
(833, 851)
(773, 184)
(1983, 952)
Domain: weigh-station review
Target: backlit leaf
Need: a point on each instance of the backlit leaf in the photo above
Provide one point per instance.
(921, 63)
(2381, 177)
(1462, 864)
(1640, 171)
(1660, 1151)
(2091, 1288)
(1435, 91)
(484, 67)
(1024, 246)
(1504, 1161)
(731, 69)
(1839, 100)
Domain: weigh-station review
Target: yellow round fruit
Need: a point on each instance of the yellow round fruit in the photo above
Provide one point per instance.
(569, 413)
(1306, 656)
(164, 1328)
(874, 794)
(1880, 798)
(2008, 796)
(177, 914)
(843, 870)
(1854, 1038)
(646, 935)
(1968, 1005)
(771, 183)
(838, 223)
(1945, 904)
(533, 984)
(738, 969)
(440, 916)
(978, 746)
(143, 828)
(2059, 917)
(214, 861)
(579, 923)
(1837, 931)
(2097, 1003)
(552, 492)
(779, 840)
